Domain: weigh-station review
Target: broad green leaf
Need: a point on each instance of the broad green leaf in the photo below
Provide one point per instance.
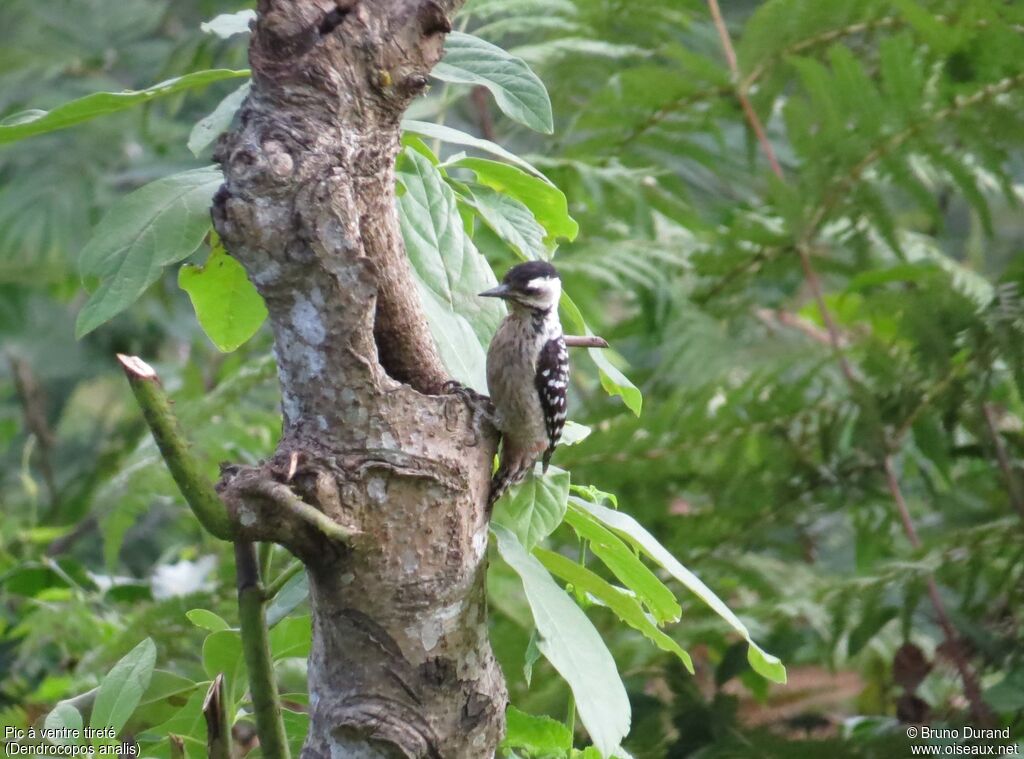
(294, 592)
(622, 604)
(30, 123)
(545, 201)
(229, 24)
(534, 508)
(539, 735)
(222, 654)
(208, 128)
(511, 221)
(613, 381)
(594, 494)
(569, 641)
(165, 684)
(459, 346)
(291, 637)
(762, 662)
(296, 725)
(188, 722)
(625, 565)
(531, 656)
(457, 137)
(207, 620)
(162, 698)
(63, 717)
(122, 688)
(518, 92)
(450, 272)
(229, 309)
(157, 225)
(574, 433)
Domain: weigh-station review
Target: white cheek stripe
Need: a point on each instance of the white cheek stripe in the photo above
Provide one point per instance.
(550, 286)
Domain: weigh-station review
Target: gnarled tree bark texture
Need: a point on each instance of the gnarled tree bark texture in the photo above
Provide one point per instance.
(400, 665)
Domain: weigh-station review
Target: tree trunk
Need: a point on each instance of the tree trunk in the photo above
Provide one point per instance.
(400, 665)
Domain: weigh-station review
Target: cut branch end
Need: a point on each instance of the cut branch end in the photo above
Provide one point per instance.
(585, 341)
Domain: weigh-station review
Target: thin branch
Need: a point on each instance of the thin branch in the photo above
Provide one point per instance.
(972, 691)
(779, 317)
(266, 701)
(282, 496)
(282, 579)
(33, 406)
(1005, 465)
(893, 483)
(741, 93)
(972, 688)
(187, 472)
(585, 341)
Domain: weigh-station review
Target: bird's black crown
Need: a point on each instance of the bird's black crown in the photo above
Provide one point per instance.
(520, 274)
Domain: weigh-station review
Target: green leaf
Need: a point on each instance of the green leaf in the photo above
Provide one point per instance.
(208, 128)
(291, 637)
(229, 309)
(165, 693)
(613, 381)
(623, 605)
(30, 123)
(206, 620)
(765, 664)
(1007, 695)
(511, 221)
(64, 716)
(296, 725)
(222, 654)
(625, 565)
(569, 641)
(122, 688)
(536, 734)
(545, 201)
(534, 508)
(530, 656)
(574, 433)
(449, 270)
(187, 721)
(157, 225)
(294, 592)
(457, 137)
(229, 24)
(518, 92)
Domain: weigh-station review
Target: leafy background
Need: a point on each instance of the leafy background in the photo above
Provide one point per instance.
(755, 461)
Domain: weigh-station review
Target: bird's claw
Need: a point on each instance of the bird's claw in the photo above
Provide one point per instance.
(468, 394)
(478, 403)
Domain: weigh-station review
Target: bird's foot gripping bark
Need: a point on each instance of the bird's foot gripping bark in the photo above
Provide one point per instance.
(480, 405)
(471, 397)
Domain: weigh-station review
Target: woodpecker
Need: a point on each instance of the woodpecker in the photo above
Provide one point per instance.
(527, 372)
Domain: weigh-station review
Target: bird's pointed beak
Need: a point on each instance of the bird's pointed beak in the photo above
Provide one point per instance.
(501, 291)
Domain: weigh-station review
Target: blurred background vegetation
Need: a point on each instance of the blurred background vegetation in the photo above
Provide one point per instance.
(756, 460)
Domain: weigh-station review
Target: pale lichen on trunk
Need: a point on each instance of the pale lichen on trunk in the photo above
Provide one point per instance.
(400, 664)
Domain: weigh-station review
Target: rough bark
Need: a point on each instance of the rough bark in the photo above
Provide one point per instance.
(401, 665)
